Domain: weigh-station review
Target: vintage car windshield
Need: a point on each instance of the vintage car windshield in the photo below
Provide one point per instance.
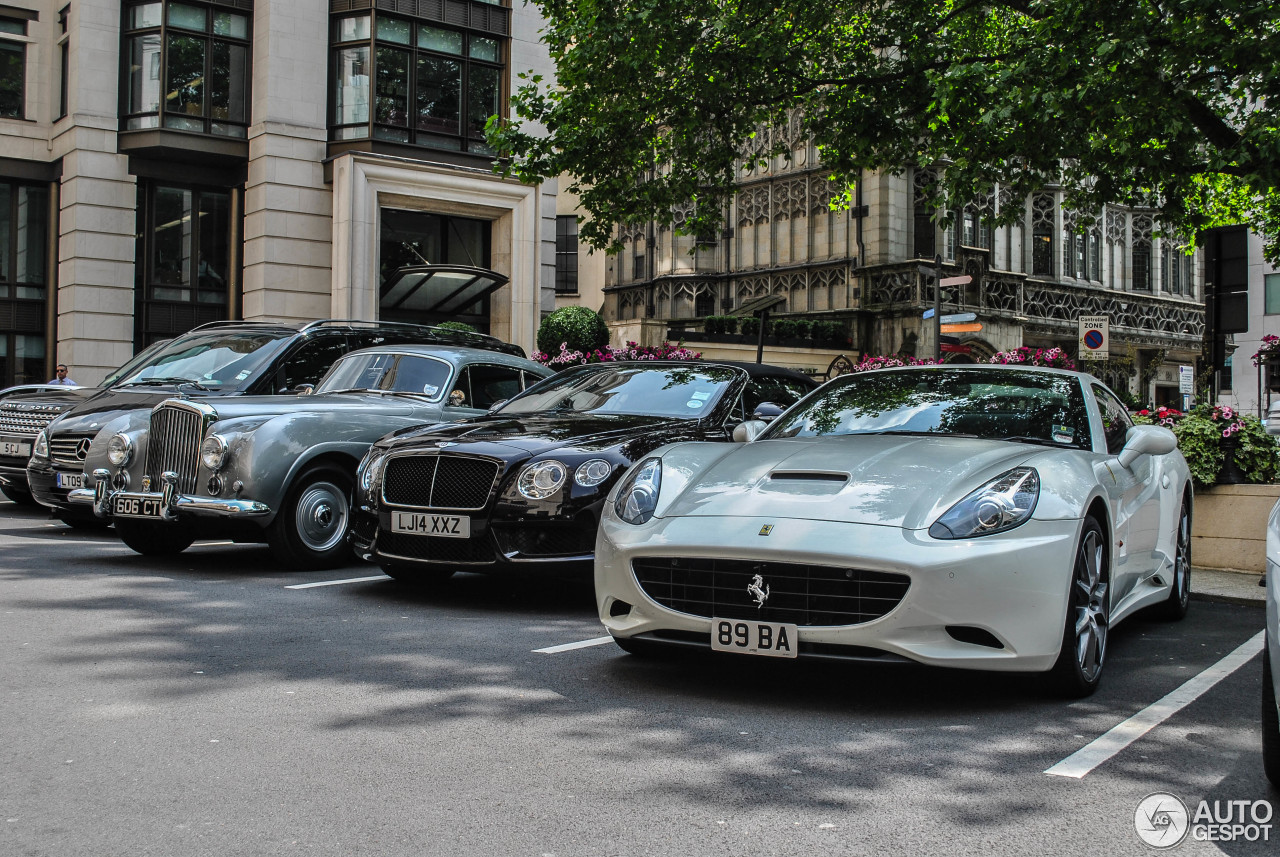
(398, 373)
(663, 391)
(988, 403)
(216, 360)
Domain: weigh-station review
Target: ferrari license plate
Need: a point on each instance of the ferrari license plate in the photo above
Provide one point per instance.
(774, 639)
(12, 447)
(70, 480)
(423, 524)
(127, 506)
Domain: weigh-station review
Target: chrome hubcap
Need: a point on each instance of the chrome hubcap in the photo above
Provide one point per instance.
(1090, 600)
(322, 516)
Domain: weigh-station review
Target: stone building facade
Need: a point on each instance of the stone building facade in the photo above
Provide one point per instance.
(164, 163)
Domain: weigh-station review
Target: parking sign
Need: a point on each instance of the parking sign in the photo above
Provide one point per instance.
(1095, 336)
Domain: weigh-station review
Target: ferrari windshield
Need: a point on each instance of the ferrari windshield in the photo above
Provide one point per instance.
(660, 391)
(1004, 404)
(380, 371)
(212, 360)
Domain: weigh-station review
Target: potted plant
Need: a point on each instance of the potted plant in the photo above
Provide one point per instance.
(1221, 445)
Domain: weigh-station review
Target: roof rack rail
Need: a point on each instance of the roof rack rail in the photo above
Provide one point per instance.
(440, 334)
(230, 322)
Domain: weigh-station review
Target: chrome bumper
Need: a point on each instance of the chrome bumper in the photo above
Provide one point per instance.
(102, 498)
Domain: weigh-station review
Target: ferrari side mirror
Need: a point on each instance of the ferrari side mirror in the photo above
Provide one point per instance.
(1146, 440)
(748, 431)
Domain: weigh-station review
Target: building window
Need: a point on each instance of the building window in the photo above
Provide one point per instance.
(1224, 379)
(637, 267)
(566, 254)
(24, 253)
(1271, 294)
(13, 65)
(1042, 231)
(414, 82)
(186, 68)
(924, 244)
(64, 59)
(1142, 274)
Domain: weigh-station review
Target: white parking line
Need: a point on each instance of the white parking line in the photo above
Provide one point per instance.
(338, 582)
(1104, 747)
(568, 647)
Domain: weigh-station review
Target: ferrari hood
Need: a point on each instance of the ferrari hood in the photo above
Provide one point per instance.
(858, 479)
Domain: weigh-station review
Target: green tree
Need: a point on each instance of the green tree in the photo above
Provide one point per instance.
(1169, 103)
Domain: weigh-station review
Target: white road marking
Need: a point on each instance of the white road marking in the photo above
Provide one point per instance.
(338, 582)
(1105, 746)
(568, 647)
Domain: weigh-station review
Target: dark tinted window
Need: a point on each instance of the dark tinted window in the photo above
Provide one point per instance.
(781, 390)
(309, 363)
(484, 386)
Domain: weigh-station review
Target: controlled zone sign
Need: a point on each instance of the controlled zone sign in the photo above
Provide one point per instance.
(1095, 337)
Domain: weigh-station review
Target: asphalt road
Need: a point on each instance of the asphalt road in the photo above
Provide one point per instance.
(198, 706)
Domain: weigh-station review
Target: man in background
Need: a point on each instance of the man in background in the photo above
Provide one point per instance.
(61, 377)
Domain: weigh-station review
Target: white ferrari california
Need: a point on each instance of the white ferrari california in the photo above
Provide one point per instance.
(981, 516)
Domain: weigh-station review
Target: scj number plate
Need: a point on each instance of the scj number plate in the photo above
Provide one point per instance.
(754, 638)
(12, 447)
(440, 526)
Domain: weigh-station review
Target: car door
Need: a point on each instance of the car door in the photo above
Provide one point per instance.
(1134, 494)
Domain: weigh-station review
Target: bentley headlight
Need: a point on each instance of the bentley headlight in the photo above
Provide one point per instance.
(40, 449)
(119, 450)
(539, 481)
(638, 497)
(1002, 504)
(370, 471)
(591, 473)
(213, 451)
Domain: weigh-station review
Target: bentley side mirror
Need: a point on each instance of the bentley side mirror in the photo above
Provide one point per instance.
(457, 398)
(1146, 440)
(766, 412)
(748, 431)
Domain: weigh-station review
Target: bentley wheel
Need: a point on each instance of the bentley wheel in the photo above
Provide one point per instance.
(310, 530)
(1270, 722)
(1180, 593)
(412, 575)
(151, 539)
(17, 495)
(1084, 638)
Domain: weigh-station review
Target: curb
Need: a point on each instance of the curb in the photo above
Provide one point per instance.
(1219, 598)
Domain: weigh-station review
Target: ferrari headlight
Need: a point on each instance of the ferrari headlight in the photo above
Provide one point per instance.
(638, 497)
(40, 449)
(591, 473)
(1002, 504)
(213, 451)
(119, 450)
(539, 481)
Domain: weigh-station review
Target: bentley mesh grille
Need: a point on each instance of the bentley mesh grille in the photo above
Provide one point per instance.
(66, 449)
(439, 481)
(173, 443)
(26, 420)
(545, 539)
(799, 594)
(425, 548)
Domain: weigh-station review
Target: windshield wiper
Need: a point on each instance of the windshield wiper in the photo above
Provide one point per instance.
(159, 382)
(918, 433)
(1040, 441)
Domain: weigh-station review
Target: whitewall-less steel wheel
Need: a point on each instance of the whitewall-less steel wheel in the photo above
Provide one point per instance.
(310, 530)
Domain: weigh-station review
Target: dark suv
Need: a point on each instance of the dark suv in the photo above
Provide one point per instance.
(225, 358)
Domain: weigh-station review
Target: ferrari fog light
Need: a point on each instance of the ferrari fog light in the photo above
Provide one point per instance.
(638, 498)
(40, 449)
(213, 452)
(119, 450)
(1002, 504)
(592, 473)
(539, 481)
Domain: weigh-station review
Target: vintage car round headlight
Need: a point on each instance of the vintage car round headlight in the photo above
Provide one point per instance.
(592, 473)
(539, 481)
(213, 451)
(40, 449)
(638, 497)
(119, 450)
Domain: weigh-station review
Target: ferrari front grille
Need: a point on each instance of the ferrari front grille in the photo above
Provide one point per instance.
(439, 481)
(794, 593)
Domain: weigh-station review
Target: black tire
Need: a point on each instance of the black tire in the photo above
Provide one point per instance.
(1175, 606)
(17, 495)
(416, 575)
(1083, 654)
(1270, 722)
(310, 530)
(82, 520)
(154, 539)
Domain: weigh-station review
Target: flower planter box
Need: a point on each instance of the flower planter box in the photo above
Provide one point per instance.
(1229, 527)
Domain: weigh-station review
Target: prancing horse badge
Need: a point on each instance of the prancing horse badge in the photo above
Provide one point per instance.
(766, 529)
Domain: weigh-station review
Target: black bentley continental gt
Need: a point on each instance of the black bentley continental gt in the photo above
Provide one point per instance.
(521, 488)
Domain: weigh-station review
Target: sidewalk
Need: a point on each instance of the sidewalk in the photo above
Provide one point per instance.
(1230, 587)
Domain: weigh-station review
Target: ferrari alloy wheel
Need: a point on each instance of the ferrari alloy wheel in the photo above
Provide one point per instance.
(310, 530)
(1270, 722)
(153, 539)
(1084, 639)
(1180, 593)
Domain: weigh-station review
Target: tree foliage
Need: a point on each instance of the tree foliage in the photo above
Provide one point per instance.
(1168, 103)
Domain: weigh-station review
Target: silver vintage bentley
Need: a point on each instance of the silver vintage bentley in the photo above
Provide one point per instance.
(280, 468)
(987, 517)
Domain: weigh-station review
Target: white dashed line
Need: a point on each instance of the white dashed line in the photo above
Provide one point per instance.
(338, 582)
(568, 647)
(1104, 747)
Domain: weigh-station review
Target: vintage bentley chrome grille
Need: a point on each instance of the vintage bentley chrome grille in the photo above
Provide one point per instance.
(796, 593)
(173, 443)
(26, 420)
(439, 481)
(69, 449)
